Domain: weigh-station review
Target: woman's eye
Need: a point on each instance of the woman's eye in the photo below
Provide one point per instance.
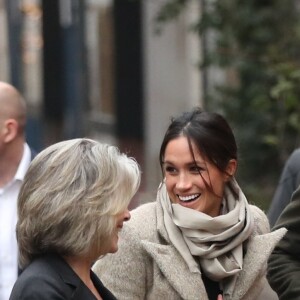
(196, 169)
(170, 169)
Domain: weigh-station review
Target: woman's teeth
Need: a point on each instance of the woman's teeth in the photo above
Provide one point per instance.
(188, 198)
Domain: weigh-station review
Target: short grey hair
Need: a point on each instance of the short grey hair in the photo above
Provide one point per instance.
(69, 197)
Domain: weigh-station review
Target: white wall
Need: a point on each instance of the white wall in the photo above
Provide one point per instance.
(172, 78)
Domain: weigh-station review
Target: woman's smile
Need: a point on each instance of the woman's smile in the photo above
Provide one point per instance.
(188, 201)
(192, 181)
(188, 198)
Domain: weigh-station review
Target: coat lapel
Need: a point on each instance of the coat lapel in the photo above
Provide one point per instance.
(82, 292)
(77, 289)
(169, 261)
(255, 261)
(191, 285)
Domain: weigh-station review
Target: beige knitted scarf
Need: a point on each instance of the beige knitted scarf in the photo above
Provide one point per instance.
(215, 242)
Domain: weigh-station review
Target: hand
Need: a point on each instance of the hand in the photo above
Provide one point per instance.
(220, 297)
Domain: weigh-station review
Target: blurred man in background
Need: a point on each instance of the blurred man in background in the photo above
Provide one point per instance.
(15, 157)
(288, 183)
(284, 262)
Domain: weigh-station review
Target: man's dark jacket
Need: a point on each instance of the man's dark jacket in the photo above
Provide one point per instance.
(284, 262)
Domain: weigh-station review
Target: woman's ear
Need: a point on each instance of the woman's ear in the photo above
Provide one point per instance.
(231, 168)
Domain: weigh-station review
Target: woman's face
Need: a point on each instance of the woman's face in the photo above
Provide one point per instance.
(120, 219)
(184, 184)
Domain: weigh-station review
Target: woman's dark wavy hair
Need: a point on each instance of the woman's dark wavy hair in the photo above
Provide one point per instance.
(209, 132)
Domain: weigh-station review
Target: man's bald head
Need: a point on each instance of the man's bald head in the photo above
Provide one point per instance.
(12, 105)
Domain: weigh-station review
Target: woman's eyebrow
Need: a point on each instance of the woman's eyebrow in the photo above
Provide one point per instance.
(198, 162)
(191, 163)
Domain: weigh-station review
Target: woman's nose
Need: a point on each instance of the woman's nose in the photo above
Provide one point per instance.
(183, 182)
(127, 215)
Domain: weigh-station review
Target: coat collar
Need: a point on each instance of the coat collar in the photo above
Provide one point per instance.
(259, 249)
(190, 286)
(62, 268)
(172, 265)
(70, 278)
(170, 262)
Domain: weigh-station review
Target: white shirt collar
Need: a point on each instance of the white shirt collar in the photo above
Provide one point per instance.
(24, 163)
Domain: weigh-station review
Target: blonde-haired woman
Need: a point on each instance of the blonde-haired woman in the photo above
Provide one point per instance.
(71, 206)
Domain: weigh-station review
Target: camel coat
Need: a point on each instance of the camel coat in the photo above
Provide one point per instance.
(148, 266)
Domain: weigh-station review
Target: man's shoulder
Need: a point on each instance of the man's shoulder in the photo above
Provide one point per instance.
(293, 162)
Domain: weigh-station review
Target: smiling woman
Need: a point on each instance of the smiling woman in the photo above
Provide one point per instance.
(190, 180)
(200, 239)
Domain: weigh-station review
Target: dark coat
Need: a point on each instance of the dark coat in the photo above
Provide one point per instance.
(284, 262)
(50, 277)
(288, 183)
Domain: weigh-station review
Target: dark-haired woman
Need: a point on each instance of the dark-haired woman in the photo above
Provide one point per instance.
(201, 239)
